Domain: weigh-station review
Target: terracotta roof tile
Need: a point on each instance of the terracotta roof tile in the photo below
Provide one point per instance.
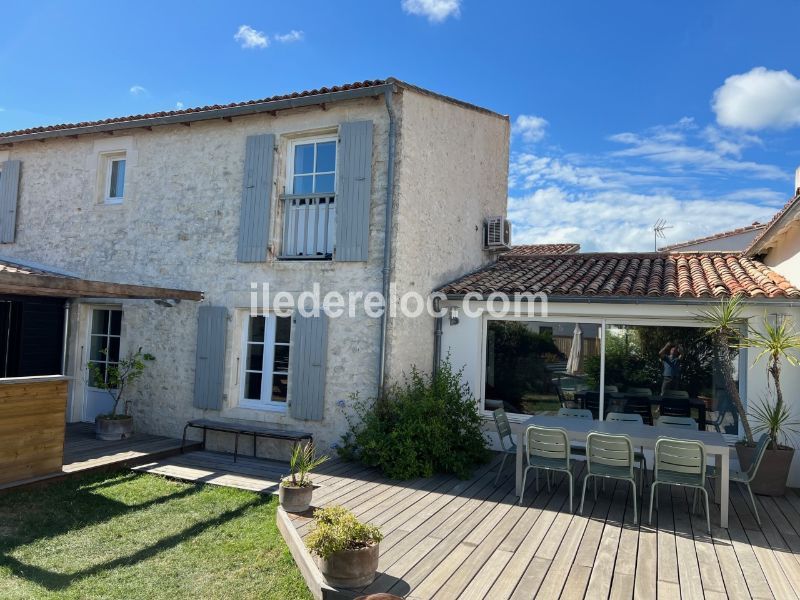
(185, 111)
(539, 249)
(699, 275)
(714, 236)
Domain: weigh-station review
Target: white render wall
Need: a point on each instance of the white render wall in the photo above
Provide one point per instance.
(465, 343)
(452, 174)
(178, 227)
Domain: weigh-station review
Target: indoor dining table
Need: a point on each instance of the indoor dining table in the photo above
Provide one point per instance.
(641, 435)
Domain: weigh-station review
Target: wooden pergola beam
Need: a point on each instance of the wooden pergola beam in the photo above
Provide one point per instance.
(71, 287)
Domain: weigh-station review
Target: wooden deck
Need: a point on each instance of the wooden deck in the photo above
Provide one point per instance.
(83, 452)
(450, 538)
(446, 538)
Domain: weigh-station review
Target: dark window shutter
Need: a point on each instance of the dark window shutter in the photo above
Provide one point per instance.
(210, 362)
(353, 191)
(307, 369)
(256, 198)
(9, 194)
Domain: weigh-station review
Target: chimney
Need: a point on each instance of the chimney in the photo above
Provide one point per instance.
(797, 181)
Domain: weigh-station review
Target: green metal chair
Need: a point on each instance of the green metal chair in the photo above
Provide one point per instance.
(638, 455)
(745, 477)
(687, 422)
(609, 457)
(576, 413)
(548, 449)
(507, 445)
(682, 463)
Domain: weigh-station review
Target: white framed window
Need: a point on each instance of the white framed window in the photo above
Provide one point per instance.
(310, 204)
(264, 366)
(114, 183)
(104, 341)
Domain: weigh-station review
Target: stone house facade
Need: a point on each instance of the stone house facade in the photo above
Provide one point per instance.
(289, 191)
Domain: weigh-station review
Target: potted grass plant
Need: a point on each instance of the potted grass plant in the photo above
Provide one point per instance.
(297, 489)
(775, 342)
(346, 550)
(116, 380)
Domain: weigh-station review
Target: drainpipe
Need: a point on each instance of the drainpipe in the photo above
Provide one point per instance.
(437, 335)
(387, 244)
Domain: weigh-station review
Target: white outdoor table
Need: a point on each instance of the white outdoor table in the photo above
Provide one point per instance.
(641, 435)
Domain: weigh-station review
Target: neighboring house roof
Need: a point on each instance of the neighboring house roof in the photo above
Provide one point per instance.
(537, 249)
(323, 95)
(716, 236)
(653, 275)
(779, 223)
(7, 266)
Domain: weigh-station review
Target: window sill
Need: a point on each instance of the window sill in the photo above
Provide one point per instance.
(326, 258)
(113, 201)
(262, 406)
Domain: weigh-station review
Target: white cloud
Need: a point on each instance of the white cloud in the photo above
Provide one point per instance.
(679, 148)
(529, 127)
(608, 201)
(758, 99)
(293, 36)
(250, 38)
(138, 90)
(179, 105)
(436, 11)
(622, 221)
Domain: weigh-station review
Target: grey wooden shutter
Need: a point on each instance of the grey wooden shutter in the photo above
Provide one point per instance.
(9, 193)
(353, 191)
(307, 369)
(210, 361)
(256, 198)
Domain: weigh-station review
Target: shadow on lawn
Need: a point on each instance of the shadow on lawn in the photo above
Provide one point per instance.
(58, 581)
(77, 507)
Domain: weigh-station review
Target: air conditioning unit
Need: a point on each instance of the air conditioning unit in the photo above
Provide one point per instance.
(496, 233)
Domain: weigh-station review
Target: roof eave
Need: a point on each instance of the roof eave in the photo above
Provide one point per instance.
(207, 115)
(665, 300)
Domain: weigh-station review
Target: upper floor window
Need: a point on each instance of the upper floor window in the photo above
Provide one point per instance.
(114, 183)
(310, 207)
(314, 165)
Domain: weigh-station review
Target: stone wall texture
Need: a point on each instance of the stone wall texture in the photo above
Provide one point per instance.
(178, 227)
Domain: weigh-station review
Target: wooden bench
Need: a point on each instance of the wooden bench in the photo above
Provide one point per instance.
(256, 431)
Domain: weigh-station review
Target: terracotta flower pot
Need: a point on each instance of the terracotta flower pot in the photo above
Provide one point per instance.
(118, 428)
(770, 480)
(350, 568)
(295, 499)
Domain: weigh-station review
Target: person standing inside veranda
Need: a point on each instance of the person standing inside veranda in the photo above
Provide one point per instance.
(670, 356)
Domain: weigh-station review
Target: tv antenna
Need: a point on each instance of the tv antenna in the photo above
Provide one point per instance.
(658, 232)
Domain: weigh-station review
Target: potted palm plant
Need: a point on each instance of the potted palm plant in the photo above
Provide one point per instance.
(296, 490)
(777, 342)
(118, 424)
(346, 550)
(722, 322)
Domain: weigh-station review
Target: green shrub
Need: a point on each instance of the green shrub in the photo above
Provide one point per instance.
(429, 424)
(338, 529)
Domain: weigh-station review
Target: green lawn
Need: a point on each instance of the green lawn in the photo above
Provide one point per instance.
(140, 536)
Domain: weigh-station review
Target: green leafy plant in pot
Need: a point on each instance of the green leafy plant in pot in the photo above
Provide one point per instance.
(116, 380)
(346, 550)
(776, 343)
(297, 489)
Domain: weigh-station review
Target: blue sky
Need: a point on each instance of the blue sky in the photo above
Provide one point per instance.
(624, 112)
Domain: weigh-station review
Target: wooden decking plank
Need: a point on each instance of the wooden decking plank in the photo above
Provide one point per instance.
(531, 580)
(486, 538)
(451, 510)
(711, 574)
(667, 551)
(485, 579)
(688, 564)
(603, 568)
